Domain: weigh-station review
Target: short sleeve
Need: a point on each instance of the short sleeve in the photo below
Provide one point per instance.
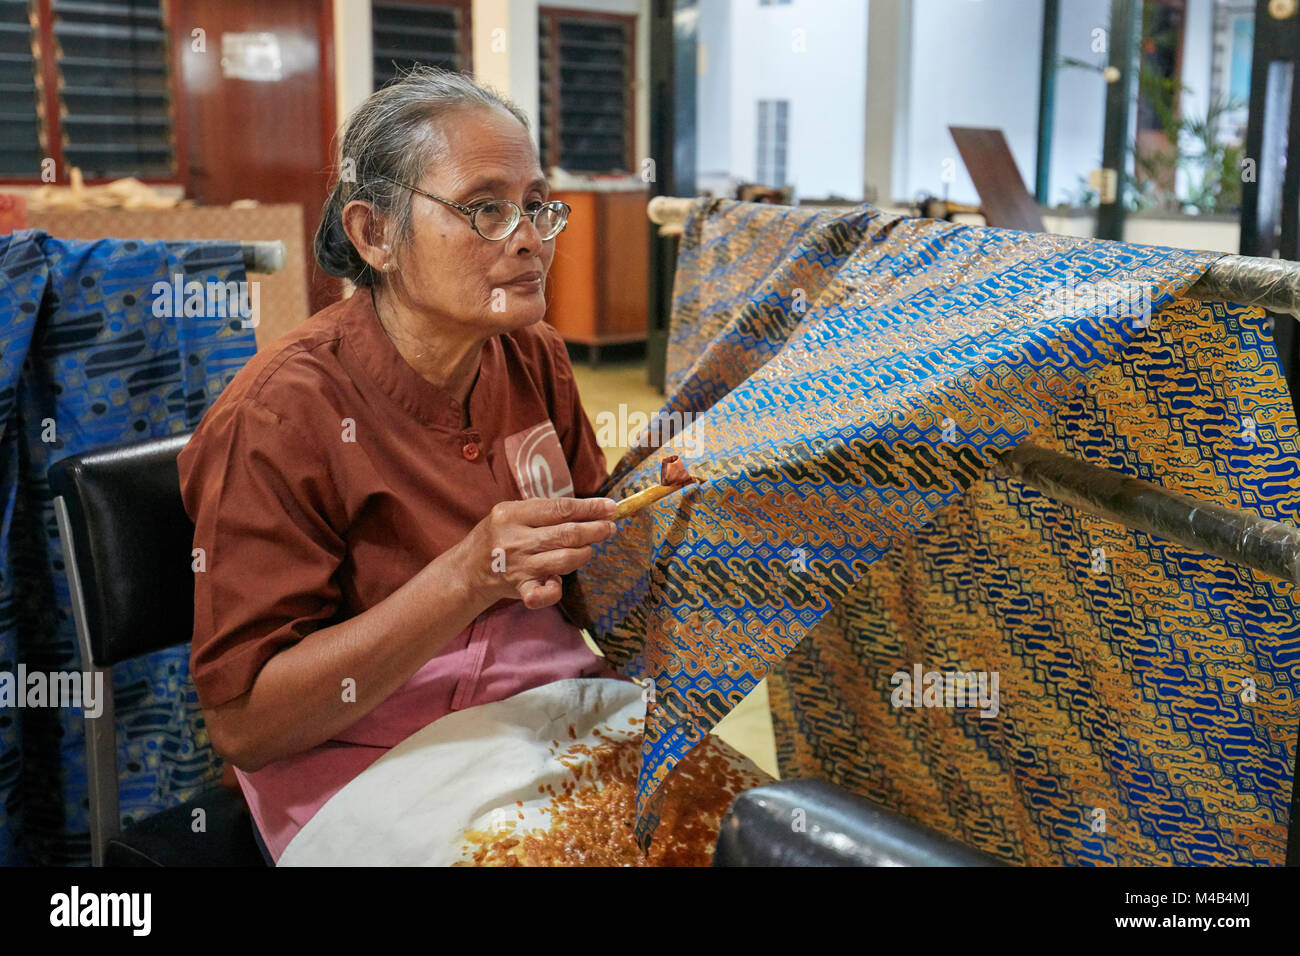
(586, 459)
(265, 577)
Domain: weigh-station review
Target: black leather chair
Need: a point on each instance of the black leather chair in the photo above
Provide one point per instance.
(816, 823)
(126, 549)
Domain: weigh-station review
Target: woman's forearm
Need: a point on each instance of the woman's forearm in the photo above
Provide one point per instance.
(310, 692)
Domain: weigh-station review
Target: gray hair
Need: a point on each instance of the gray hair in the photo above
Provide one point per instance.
(396, 133)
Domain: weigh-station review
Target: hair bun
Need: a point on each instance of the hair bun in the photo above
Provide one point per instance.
(333, 249)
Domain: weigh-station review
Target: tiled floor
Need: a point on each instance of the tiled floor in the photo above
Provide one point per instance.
(603, 389)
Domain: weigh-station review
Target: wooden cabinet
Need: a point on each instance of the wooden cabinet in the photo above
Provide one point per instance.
(597, 288)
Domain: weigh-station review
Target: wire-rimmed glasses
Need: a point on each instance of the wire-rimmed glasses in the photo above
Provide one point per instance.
(497, 219)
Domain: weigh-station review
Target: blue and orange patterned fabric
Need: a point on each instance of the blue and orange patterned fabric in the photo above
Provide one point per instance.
(83, 349)
(850, 378)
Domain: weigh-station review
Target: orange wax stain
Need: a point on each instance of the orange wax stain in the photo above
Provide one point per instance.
(592, 818)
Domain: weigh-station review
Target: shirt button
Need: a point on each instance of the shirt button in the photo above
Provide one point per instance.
(470, 450)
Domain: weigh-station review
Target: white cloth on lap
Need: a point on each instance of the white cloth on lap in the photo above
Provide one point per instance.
(468, 770)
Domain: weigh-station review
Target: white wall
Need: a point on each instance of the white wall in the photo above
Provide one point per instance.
(713, 102)
(354, 70)
(1080, 110)
(1217, 234)
(505, 51)
(812, 53)
(1184, 232)
(889, 55)
(1198, 51)
(973, 63)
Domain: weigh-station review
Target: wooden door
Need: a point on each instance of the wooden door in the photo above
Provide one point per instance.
(266, 139)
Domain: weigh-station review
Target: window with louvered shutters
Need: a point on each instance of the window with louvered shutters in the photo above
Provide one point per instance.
(430, 33)
(115, 109)
(20, 148)
(586, 103)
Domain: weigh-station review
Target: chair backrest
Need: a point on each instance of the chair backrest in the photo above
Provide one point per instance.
(127, 543)
(839, 828)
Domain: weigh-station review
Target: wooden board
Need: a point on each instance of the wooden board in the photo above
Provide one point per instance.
(1004, 200)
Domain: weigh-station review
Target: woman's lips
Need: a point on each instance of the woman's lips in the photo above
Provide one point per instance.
(526, 285)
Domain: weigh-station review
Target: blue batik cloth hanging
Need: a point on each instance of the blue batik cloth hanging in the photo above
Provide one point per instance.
(94, 353)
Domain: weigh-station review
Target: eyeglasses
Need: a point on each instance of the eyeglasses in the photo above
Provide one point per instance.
(497, 219)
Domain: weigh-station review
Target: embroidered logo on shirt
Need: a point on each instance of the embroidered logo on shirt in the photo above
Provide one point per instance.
(537, 461)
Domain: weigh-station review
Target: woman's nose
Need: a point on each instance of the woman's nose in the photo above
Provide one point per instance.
(525, 237)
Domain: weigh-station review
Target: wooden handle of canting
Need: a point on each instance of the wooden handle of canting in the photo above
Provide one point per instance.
(643, 499)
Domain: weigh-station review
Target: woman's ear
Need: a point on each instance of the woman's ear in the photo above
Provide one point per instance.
(366, 233)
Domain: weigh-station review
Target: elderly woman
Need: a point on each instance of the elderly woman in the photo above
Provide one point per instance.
(386, 499)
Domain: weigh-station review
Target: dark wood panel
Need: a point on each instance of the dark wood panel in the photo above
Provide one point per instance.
(1004, 200)
(596, 290)
(263, 140)
(624, 255)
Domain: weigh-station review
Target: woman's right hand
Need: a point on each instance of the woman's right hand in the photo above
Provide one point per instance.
(522, 548)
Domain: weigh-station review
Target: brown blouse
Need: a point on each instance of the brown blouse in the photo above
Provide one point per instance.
(329, 472)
